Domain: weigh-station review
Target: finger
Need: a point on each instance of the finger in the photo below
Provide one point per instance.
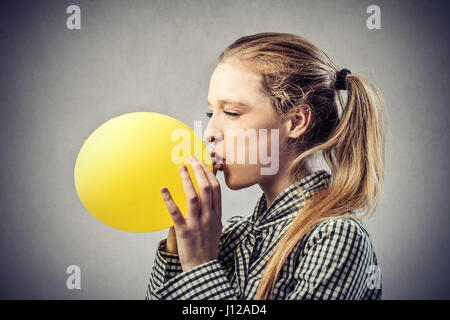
(215, 188)
(173, 209)
(216, 168)
(192, 199)
(204, 188)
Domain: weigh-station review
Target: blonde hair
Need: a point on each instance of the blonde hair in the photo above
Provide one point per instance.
(350, 137)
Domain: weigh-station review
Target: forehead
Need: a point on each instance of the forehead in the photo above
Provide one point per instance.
(230, 81)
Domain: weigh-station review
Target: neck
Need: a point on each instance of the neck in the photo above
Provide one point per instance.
(273, 186)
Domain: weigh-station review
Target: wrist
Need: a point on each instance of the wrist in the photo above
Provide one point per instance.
(191, 265)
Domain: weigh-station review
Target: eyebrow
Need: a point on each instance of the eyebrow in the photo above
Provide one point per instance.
(228, 101)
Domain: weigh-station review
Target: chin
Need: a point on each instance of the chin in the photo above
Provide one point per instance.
(233, 186)
(236, 182)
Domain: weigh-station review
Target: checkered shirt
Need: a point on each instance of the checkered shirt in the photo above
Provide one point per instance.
(335, 260)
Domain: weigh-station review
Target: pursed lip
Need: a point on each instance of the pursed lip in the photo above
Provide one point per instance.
(217, 160)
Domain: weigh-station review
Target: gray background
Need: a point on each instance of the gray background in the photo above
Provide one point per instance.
(59, 85)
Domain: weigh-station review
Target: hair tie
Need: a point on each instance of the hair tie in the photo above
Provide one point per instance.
(340, 79)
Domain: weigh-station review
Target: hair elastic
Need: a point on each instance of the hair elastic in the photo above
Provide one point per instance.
(340, 79)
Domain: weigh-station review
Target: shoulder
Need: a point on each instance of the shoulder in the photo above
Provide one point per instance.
(337, 262)
(340, 233)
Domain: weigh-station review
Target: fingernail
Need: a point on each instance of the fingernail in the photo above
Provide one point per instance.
(194, 159)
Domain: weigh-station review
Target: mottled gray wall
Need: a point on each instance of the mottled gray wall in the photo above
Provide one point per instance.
(57, 86)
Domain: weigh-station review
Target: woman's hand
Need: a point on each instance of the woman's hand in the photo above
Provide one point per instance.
(198, 233)
(171, 243)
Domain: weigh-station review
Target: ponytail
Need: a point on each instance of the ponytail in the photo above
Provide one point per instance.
(355, 155)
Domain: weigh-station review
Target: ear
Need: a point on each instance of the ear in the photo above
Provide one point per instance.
(298, 121)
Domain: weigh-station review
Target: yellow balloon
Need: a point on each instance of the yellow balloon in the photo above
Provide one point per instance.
(122, 166)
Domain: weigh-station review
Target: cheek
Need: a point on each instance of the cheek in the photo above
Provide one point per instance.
(241, 149)
(251, 147)
(260, 151)
(248, 158)
(241, 176)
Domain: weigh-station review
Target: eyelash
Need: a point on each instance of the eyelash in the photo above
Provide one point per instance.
(209, 114)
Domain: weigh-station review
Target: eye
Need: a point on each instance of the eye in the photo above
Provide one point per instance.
(231, 114)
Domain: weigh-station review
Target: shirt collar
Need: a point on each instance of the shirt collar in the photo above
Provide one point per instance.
(287, 204)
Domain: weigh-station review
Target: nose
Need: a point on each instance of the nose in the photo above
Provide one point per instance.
(213, 134)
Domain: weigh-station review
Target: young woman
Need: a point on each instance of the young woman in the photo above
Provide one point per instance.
(304, 239)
